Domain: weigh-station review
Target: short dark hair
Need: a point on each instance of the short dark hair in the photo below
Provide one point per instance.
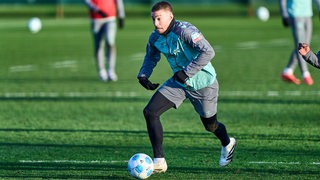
(161, 5)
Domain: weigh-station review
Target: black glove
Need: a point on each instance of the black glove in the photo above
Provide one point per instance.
(121, 23)
(180, 76)
(102, 13)
(286, 22)
(147, 84)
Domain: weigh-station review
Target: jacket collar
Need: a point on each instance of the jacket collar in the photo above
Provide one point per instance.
(170, 27)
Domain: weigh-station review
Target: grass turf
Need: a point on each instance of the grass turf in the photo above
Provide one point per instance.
(59, 121)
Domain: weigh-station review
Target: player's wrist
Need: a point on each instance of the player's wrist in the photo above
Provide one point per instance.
(180, 76)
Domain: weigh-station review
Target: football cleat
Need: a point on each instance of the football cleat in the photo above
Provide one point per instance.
(160, 165)
(227, 152)
(103, 75)
(290, 78)
(308, 80)
(112, 76)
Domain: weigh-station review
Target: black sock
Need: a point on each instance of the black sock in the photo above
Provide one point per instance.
(221, 133)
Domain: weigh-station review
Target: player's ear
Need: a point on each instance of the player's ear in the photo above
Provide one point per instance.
(171, 15)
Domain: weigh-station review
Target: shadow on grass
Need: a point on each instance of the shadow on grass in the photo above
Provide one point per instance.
(118, 171)
(236, 170)
(63, 170)
(278, 100)
(133, 96)
(83, 170)
(172, 134)
(114, 98)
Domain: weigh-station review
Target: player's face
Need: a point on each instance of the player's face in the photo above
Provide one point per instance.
(161, 20)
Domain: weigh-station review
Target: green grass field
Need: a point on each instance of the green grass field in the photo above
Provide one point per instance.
(57, 120)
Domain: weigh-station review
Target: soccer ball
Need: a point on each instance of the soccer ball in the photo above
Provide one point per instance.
(140, 166)
(34, 25)
(263, 13)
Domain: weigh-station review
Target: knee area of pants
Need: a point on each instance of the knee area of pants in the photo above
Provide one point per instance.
(148, 113)
(211, 127)
(211, 124)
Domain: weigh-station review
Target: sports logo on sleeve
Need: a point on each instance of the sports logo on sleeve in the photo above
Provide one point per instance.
(196, 36)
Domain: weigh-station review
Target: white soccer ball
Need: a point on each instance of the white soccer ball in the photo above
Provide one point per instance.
(140, 166)
(34, 25)
(263, 13)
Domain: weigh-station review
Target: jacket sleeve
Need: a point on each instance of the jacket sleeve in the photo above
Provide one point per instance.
(196, 40)
(150, 61)
(283, 8)
(91, 6)
(313, 59)
(120, 9)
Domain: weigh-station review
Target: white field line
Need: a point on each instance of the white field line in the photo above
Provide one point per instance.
(71, 161)
(22, 68)
(137, 56)
(248, 45)
(264, 162)
(65, 64)
(256, 44)
(136, 94)
(269, 93)
(112, 161)
(281, 162)
(56, 65)
(140, 55)
(67, 94)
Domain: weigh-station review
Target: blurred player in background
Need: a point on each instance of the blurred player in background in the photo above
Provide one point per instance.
(104, 14)
(309, 56)
(188, 54)
(298, 15)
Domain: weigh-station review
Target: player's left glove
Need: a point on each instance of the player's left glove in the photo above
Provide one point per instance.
(286, 22)
(147, 84)
(121, 23)
(180, 76)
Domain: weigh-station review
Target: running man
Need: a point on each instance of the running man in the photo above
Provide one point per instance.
(188, 54)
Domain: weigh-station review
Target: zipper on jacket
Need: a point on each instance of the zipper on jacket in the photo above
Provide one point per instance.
(174, 56)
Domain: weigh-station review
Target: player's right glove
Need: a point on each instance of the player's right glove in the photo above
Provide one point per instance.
(147, 84)
(286, 22)
(102, 13)
(180, 76)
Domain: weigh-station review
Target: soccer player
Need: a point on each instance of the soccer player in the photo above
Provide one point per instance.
(309, 56)
(188, 54)
(298, 15)
(103, 15)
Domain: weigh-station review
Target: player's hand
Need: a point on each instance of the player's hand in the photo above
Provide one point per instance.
(147, 84)
(286, 22)
(180, 76)
(121, 23)
(102, 13)
(303, 49)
